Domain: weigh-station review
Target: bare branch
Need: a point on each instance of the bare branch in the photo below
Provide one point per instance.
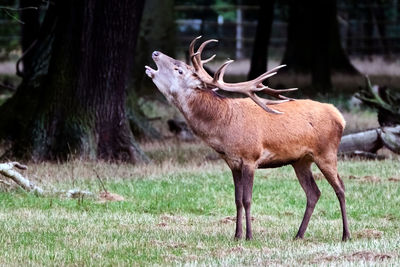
(7, 170)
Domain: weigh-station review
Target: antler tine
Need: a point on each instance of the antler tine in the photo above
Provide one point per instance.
(267, 89)
(192, 54)
(259, 102)
(198, 62)
(201, 47)
(274, 102)
(192, 43)
(200, 50)
(279, 90)
(276, 92)
(208, 59)
(219, 74)
(267, 74)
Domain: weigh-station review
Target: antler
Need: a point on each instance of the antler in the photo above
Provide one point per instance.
(198, 62)
(247, 88)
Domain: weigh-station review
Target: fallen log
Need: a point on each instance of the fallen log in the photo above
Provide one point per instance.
(367, 143)
(391, 138)
(7, 170)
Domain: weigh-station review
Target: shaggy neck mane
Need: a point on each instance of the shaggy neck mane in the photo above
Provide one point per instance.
(207, 106)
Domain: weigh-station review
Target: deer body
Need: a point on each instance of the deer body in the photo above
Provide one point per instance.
(240, 131)
(247, 137)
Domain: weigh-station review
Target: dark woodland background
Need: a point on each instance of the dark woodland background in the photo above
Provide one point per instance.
(72, 72)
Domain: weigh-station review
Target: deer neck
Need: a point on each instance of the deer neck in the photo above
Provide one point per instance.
(205, 111)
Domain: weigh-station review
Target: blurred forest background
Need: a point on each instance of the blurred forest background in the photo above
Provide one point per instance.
(72, 72)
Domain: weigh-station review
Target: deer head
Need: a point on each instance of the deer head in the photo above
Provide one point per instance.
(174, 77)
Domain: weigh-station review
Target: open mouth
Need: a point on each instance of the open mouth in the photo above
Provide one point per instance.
(150, 72)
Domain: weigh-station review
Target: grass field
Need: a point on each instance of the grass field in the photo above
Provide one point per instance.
(180, 210)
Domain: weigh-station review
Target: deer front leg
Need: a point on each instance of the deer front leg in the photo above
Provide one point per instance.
(247, 181)
(237, 175)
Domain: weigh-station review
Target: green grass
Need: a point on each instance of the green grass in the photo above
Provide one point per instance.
(184, 214)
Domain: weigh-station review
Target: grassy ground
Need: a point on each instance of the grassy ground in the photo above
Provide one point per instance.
(180, 210)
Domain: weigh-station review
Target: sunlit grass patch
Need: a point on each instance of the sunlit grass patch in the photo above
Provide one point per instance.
(184, 213)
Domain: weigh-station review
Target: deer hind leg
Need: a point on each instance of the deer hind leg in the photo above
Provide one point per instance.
(328, 167)
(237, 179)
(307, 182)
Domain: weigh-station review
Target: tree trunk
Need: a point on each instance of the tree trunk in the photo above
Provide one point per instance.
(259, 58)
(18, 112)
(376, 11)
(82, 97)
(313, 44)
(321, 62)
(29, 29)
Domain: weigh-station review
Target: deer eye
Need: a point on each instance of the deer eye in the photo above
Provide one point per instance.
(180, 71)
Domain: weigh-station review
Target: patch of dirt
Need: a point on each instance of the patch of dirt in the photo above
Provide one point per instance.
(366, 179)
(394, 179)
(167, 219)
(107, 196)
(372, 179)
(231, 219)
(160, 243)
(390, 217)
(162, 224)
(368, 255)
(360, 255)
(239, 249)
(368, 233)
(173, 218)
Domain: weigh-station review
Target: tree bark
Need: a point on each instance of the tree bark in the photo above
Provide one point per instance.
(313, 44)
(259, 58)
(18, 112)
(79, 107)
(29, 29)
(378, 12)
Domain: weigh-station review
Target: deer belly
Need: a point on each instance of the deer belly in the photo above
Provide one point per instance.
(272, 160)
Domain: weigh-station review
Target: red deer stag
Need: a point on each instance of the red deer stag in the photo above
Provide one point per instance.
(248, 134)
